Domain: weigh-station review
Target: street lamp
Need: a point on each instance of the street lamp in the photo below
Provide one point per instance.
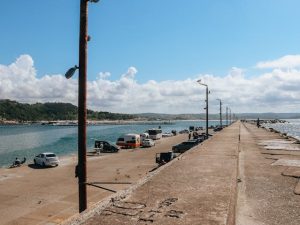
(220, 111)
(227, 115)
(229, 111)
(199, 81)
(82, 112)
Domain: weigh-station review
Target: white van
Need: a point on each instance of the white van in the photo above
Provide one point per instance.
(129, 141)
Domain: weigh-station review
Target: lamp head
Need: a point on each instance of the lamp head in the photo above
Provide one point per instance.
(199, 82)
(71, 72)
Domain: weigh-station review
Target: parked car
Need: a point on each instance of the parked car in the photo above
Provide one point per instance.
(164, 135)
(105, 147)
(191, 128)
(144, 136)
(200, 138)
(184, 131)
(164, 157)
(218, 129)
(184, 146)
(148, 143)
(46, 159)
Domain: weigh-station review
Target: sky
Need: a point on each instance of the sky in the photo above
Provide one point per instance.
(147, 55)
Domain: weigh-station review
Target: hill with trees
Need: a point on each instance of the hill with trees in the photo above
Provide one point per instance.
(15, 111)
(12, 110)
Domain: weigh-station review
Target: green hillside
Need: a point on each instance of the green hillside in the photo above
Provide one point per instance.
(12, 110)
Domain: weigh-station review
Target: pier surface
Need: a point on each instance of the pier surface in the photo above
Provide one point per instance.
(31, 195)
(241, 175)
(228, 179)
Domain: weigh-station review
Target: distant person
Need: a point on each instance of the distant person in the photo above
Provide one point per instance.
(257, 122)
(195, 135)
(76, 171)
(17, 162)
(100, 148)
(190, 135)
(23, 161)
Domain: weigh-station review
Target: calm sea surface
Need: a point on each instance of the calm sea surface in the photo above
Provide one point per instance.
(291, 127)
(29, 140)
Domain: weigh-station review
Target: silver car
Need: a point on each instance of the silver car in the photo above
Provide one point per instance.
(148, 143)
(46, 159)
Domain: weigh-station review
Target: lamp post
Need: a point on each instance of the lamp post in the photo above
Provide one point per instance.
(81, 172)
(199, 81)
(226, 115)
(220, 111)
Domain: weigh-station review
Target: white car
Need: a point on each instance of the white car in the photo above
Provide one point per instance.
(148, 143)
(46, 159)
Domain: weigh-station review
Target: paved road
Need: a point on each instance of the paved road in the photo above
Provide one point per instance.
(265, 196)
(30, 195)
(228, 179)
(225, 180)
(199, 188)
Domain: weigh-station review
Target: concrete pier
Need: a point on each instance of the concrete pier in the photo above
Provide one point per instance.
(228, 179)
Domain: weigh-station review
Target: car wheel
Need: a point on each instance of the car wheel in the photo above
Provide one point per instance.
(44, 164)
(35, 162)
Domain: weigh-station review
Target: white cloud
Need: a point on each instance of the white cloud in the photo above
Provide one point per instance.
(275, 91)
(131, 72)
(18, 81)
(103, 75)
(285, 62)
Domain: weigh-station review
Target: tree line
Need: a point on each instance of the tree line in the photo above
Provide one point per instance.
(13, 110)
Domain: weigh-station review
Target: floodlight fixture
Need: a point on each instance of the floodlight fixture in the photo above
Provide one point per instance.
(71, 72)
(199, 81)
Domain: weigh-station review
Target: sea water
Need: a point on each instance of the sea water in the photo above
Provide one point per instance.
(291, 127)
(29, 140)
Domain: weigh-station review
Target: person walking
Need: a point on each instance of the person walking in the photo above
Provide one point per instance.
(100, 148)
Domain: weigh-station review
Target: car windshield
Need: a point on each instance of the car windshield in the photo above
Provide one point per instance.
(50, 155)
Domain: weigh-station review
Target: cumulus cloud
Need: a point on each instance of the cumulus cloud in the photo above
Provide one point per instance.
(275, 91)
(18, 81)
(287, 62)
(103, 75)
(131, 72)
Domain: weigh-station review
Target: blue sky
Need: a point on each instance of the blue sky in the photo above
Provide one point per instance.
(161, 39)
(167, 39)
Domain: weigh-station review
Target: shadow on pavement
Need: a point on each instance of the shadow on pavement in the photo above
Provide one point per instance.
(34, 166)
